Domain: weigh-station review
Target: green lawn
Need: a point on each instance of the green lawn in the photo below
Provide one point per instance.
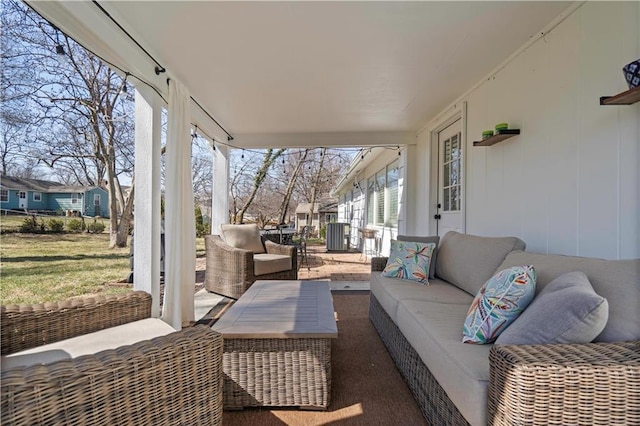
(44, 268)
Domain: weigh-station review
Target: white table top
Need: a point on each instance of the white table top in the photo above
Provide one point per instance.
(281, 309)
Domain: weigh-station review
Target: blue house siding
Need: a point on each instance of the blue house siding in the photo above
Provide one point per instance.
(99, 196)
(55, 197)
(36, 204)
(12, 204)
(64, 201)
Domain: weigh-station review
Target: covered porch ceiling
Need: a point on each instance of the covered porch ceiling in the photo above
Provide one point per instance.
(309, 73)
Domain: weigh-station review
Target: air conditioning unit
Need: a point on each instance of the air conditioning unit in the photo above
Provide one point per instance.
(338, 236)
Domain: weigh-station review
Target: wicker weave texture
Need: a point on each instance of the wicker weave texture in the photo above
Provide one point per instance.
(169, 380)
(277, 372)
(434, 403)
(28, 326)
(230, 271)
(577, 384)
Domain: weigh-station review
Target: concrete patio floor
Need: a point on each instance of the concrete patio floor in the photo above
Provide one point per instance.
(345, 270)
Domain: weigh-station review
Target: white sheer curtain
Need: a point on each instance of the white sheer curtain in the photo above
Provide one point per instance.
(180, 233)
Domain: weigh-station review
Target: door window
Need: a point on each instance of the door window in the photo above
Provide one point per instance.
(452, 183)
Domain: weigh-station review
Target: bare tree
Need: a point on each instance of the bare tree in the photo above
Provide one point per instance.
(269, 157)
(291, 184)
(81, 114)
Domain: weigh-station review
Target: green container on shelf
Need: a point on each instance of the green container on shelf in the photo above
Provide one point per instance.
(501, 126)
(487, 134)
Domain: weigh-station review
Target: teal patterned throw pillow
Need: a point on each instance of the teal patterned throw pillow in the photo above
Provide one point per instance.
(498, 303)
(409, 261)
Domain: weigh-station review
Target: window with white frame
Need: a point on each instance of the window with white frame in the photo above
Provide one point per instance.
(380, 189)
(37, 196)
(4, 195)
(382, 197)
(371, 204)
(74, 198)
(391, 206)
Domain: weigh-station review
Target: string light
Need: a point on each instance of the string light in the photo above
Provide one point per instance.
(61, 55)
(123, 90)
(242, 154)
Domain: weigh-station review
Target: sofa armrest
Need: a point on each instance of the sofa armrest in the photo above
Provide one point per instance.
(226, 265)
(594, 383)
(274, 248)
(173, 379)
(28, 326)
(287, 250)
(378, 263)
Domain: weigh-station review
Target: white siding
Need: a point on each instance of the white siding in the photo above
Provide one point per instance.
(569, 183)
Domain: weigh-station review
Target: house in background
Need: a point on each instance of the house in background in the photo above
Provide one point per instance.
(324, 211)
(46, 196)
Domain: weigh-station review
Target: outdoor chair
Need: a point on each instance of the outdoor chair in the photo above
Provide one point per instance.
(175, 378)
(301, 245)
(234, 263)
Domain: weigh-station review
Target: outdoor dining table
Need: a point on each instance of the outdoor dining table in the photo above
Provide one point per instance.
(280, 236)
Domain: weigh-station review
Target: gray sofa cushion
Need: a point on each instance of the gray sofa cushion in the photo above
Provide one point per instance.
(246, 237)
(390, 291)
(433, 239)
(618, 281)
(468, 261)
(91, 343)
(567, 310)
(268, 263)
(434, 330)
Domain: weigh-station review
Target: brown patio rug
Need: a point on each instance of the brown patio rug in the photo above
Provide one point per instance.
(366, 388)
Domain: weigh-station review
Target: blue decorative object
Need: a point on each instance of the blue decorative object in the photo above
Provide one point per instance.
(632, 73)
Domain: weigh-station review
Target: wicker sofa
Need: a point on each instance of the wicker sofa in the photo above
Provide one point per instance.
(174, 378)
(232, 266)
(457, 383)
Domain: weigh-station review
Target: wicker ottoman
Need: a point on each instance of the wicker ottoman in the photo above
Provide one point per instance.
(277, 346)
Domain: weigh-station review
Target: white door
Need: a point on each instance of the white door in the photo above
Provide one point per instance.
(450, 205)
(22, 199)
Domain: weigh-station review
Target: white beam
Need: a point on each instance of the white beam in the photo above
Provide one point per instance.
(147, 195)
(324, 139)
(220, 189)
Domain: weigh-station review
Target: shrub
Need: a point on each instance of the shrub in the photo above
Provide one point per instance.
(95, 227)
(202, 228)
(56, 226)
(76, 225)
(30, 225)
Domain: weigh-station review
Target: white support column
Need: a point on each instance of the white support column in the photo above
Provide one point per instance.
(220, 189)
(147, 230)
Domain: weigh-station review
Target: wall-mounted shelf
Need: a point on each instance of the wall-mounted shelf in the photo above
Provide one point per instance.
(498, 137)
(629, 97)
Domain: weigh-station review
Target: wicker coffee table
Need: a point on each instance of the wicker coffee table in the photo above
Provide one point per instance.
(277, 346)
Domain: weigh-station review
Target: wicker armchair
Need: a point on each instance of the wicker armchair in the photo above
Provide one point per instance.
(173, 379)
(230, 270)
(559, 384)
